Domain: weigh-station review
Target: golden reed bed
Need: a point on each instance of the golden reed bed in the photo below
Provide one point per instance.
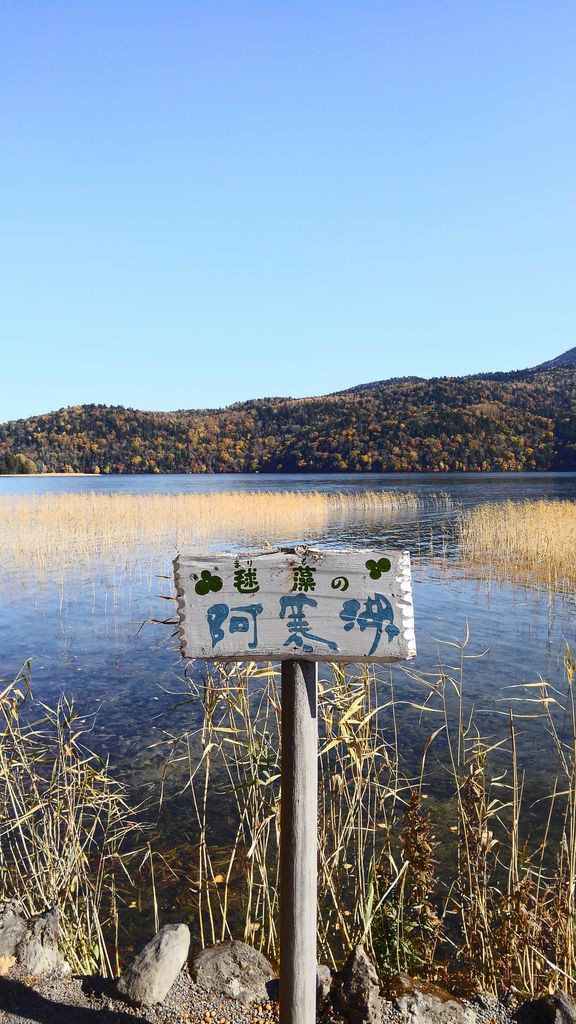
(51, 531)
(531, 542)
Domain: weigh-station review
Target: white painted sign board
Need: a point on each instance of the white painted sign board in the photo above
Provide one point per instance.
(320, 605)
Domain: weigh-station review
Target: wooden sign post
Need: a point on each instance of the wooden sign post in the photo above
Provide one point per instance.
(299, 606)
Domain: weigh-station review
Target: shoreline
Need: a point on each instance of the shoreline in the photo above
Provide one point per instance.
(311, 474)
(34, 476)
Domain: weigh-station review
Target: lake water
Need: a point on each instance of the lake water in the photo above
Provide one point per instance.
(90, 634)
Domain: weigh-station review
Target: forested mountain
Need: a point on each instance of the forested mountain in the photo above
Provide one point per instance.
(505, 421)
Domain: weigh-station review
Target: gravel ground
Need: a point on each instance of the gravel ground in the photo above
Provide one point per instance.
(52, 1000)
(490, 1011)
(72, 1000)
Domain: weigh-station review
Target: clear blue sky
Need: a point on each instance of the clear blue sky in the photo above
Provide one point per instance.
(206, 202)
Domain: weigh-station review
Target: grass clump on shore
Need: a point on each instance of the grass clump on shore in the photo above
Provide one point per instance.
(68, 837)
(54, 531)
(475, 888)
(529, 542)
(471, 882)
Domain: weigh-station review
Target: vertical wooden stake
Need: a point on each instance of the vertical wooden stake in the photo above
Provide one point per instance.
(298, 841)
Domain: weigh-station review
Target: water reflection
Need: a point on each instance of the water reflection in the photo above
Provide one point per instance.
(90, 631)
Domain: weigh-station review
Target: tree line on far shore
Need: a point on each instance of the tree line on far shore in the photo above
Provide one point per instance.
(15, 465)
(518, 421)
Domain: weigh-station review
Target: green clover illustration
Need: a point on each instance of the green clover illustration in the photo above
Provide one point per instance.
(377, 568)
(207, 583)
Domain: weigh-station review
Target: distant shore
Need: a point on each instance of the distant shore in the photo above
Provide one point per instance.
(18, 476)
(414, 474)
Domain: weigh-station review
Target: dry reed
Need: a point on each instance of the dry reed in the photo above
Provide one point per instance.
(531, 542)
(360, 795)
(498, 915)
(55, 531)
(502, 909)
(68, 838)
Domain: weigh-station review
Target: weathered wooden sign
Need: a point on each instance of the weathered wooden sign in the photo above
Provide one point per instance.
(299, 606)
(320, 605)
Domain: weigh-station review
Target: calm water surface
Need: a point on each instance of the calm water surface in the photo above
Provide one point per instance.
(91, 636)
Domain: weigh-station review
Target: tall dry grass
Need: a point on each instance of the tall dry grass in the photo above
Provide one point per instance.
(68, 836)
(529, 542)
(360, 796)
(474, 889)
(477, 886)
(461, 889)
(57, 531)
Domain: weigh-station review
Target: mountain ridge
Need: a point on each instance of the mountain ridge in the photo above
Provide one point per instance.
(514, 420)
(566, 359)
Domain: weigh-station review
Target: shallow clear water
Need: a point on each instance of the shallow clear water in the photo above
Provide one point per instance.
(90, 635)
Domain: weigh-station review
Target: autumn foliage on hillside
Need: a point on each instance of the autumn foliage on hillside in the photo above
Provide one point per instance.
(518, 421)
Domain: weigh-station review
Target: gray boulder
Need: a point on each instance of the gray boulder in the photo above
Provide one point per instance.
(37, 951)
(33, 942)
(422, 1003)
(152, 973)
(359, 995)
(235, 971)
(323, 984)
(12, 926)
(558, 1008)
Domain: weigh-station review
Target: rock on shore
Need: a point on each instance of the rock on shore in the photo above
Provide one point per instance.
(31, 944)
(234, 984)
(152, 973)
(236, 971)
